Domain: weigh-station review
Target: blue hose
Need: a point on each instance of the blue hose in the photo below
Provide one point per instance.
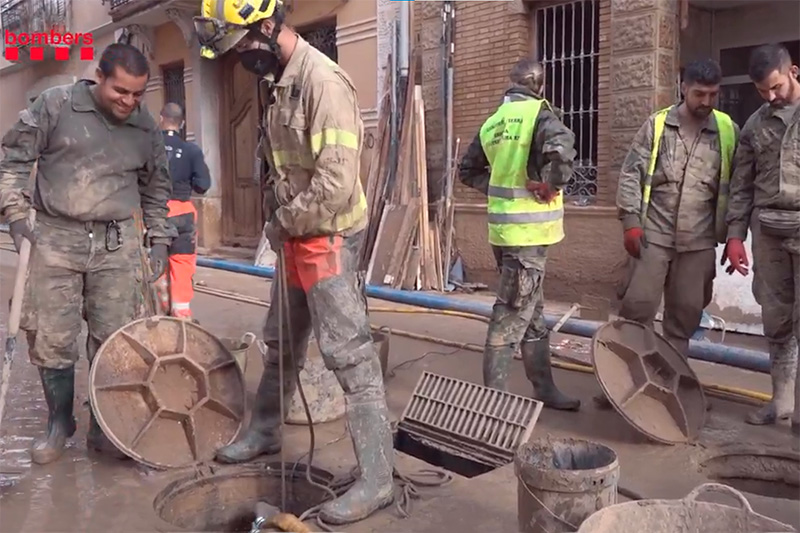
(700, 350)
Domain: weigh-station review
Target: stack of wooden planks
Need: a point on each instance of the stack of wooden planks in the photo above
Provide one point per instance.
(408, 234)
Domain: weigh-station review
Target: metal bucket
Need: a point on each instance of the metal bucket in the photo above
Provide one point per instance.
(561, 482)
(688, 514)
(239, 347)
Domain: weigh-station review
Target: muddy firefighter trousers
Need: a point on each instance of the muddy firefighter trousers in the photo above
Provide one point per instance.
(182, 257)
(326, 294)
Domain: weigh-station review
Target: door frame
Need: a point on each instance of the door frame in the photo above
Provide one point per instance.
(228, 181)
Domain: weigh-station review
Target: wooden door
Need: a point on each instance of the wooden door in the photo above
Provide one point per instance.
(241, 192)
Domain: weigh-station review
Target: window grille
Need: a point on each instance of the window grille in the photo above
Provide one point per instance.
(568, 46)
(175, 89)
(322, 36)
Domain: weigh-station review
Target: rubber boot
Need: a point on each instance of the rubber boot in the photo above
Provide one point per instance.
(496, 362)
(782, 368)
(374, 450)
(96, 440)
(263, 435)
(59, 393)
(536, 358)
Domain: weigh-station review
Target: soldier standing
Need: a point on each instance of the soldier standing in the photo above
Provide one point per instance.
(765, 197)
(189, 173)
(672, 200)
(317, 216)
(521, 159)
(100, 158)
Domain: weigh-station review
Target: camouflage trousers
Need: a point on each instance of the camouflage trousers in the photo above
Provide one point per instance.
(518, 311)
(326, 294)
(75, 276)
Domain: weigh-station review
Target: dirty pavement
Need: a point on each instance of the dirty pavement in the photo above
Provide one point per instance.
(86, 492)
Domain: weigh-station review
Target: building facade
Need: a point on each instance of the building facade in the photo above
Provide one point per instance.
(219, 97)
(609, 64)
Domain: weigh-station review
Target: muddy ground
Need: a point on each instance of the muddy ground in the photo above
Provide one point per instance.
(86, 492)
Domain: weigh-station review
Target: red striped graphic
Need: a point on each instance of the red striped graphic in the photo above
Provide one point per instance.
(36, 53)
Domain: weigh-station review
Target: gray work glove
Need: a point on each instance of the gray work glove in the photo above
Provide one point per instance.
(276, 235)
(159, 258)
(18, 230)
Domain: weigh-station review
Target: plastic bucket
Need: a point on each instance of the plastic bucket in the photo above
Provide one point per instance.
(239, 347)
(561, 482)
(688, 514)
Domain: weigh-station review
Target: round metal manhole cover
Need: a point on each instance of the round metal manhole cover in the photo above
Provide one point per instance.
(167, 392)
(648, 382)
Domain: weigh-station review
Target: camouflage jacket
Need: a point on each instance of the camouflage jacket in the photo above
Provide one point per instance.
(551, 156)
(685, 185)
(767, 171)
(313, 144)
(88, 168)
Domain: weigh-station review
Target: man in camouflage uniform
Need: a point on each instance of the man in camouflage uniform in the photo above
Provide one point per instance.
(521, 159)
(765, 197)
(317, 215)
(100, 158)
(671, 199)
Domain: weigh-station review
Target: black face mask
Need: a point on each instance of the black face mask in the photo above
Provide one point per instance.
(259, 62)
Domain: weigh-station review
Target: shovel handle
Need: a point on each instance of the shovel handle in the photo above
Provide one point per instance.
(15, 313)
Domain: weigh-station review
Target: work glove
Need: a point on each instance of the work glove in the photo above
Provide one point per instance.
(634, 241)
(276, 235)
(541, 191)
(737, 256)
(18, 230)
(159, 258)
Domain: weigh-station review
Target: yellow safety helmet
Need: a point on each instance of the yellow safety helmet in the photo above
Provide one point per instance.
(223, 23)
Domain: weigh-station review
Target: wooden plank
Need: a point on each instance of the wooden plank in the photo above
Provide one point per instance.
(402, 240)
(381, 254)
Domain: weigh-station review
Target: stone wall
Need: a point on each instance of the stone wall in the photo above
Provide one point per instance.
(643, 69)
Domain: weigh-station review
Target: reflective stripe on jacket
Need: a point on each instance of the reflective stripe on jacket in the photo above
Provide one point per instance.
(315, 135)
(727, 141)
(516, 218)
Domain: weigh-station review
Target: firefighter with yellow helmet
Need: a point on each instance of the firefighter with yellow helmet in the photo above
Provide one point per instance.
(317, 214)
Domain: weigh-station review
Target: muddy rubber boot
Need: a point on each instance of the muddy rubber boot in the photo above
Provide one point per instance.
(496, 362)
(97, 441)
(263, 435)
(536, 358)
(782, 368)
(374, 449)
(59, 393)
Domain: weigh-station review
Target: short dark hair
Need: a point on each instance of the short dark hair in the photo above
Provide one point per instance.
(127, 57)
(172, 112)
(766, 59)
(702, 72)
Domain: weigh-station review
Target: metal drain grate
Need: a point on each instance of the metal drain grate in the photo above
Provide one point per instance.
(469, 420)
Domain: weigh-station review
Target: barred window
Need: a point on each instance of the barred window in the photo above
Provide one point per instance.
(568, 42)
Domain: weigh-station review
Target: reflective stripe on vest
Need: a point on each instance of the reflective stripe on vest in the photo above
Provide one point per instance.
(727, 144)
(516, 218)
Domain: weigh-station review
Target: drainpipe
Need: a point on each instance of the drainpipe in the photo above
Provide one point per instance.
(403, 48)
(699, 350)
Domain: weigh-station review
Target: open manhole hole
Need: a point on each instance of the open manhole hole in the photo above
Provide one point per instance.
(432, 454)
(225, 501)
(773, 474)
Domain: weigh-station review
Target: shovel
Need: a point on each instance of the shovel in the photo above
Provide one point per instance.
(14, 316)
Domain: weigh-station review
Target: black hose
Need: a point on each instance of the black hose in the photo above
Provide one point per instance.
(630, 494)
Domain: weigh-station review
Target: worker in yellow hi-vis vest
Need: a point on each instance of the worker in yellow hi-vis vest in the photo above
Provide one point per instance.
(521, 159)
(672, 200)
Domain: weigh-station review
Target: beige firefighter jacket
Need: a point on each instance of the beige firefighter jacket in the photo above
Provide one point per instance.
(313, 143)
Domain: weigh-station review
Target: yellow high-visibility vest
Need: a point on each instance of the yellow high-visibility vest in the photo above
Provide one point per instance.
(516, 218)
(727, 144)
